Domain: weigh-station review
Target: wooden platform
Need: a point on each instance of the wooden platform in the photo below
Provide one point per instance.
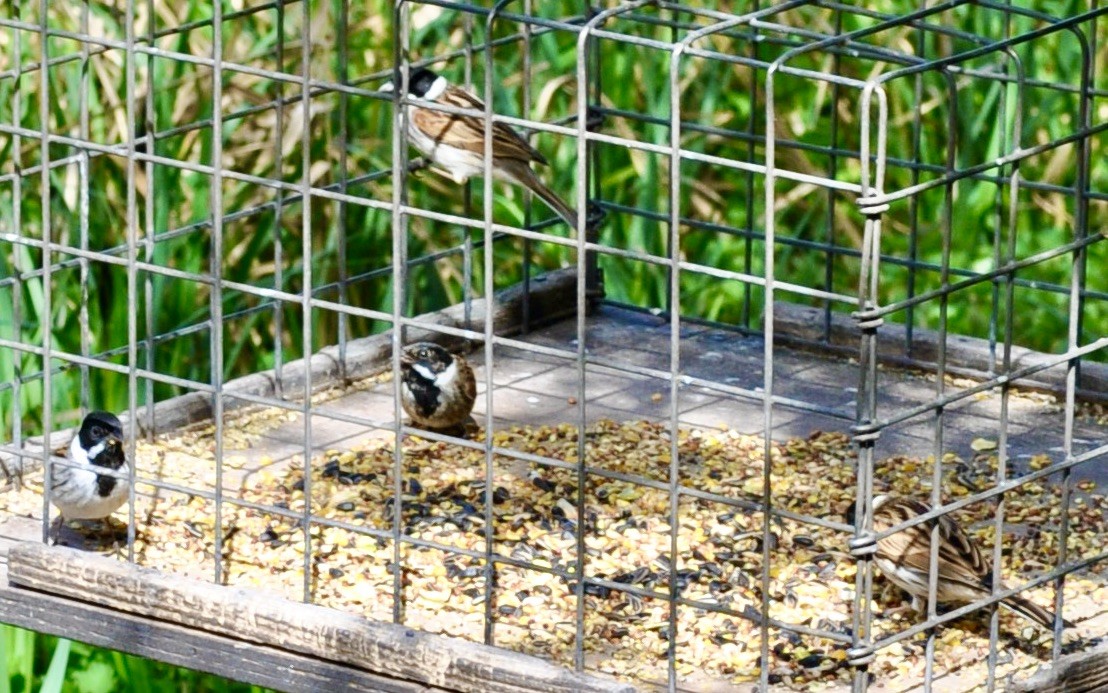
(291, 646)
(248, 635)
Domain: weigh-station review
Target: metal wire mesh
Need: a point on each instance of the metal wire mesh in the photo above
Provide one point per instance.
(886, 154)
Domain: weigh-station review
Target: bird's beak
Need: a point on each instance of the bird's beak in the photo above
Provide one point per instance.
(406, 359)
(114, 444)
(387, 87)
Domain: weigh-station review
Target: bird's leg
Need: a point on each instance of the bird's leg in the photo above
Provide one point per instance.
(919, 606)
(915, 605)
(56, 528)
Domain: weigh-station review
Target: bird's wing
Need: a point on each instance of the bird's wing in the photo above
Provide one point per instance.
(469, 382)
(960, 560)
(468, 132)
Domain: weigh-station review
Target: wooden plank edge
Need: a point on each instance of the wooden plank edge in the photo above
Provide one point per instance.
(386, 649)
(803, 326)
(231, 658)
(1079, 672)
(365, 356)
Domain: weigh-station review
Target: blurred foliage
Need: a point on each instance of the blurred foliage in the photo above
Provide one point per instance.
(966, 118)
(35, 662)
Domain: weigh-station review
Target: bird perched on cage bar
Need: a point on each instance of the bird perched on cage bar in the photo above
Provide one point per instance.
(80, 488)
(965, 574)
(437, 388)
(455, 143)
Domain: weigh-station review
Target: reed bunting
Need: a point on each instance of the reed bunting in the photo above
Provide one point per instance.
(456, 143)
(91, 484)
(80, 490)
(965, 573)
(437, 388)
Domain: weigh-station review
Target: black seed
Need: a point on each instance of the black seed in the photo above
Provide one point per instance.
(192, 529)
(507, 610)
(346, 507)
(812, 660)
(522, 594)
(775, 678)
(453, 570)
(544, 590)
(360, 515)
(415, 488)
(331, 469)
(336, 573)
(472, 571)
(500, 495)
(781, 652)
(803, 540)
(299, 485)
(597, 590)
(543, 484)
(473, 592)
(269, 536)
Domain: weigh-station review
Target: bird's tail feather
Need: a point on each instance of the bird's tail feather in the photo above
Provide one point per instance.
(528, 179)
(1031, 610)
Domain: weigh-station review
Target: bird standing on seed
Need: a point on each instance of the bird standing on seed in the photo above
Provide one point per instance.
(964, 574)
(437, 388)
(456, 143)
(79, 487)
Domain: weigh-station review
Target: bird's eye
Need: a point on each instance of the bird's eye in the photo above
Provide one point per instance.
(97, 432)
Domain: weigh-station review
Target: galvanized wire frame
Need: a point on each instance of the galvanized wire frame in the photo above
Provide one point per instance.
(755, 31)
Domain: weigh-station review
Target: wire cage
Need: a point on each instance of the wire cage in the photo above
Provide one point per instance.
(861, 237)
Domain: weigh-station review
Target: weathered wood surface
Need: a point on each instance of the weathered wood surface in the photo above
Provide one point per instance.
(551, 299)
(968, 356)
(1080, 672)
(383, 648)
(224, 656)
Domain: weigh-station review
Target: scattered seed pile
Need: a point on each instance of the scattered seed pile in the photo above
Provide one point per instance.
(627, 542)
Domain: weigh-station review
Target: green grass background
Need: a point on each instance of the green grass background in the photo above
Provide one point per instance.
(350, 136)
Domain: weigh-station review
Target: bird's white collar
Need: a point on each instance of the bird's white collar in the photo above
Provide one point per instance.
(438, 87)
(442, 379)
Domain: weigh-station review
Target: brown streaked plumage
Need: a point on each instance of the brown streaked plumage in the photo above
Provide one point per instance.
(437, 388)
(455, 143)
(964, 573)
